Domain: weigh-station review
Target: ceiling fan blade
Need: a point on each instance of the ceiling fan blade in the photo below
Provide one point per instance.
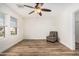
(28, 6)
(31, 12)
(47, 10)
(36, 5)
(40, 14)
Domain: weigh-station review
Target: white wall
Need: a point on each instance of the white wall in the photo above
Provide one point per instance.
(39, 27)
(67, 26)
(9, 40)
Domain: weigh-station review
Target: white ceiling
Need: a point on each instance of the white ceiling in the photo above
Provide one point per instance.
(55, 7)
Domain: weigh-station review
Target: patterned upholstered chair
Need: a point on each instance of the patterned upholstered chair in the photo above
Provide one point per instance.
(53, 36)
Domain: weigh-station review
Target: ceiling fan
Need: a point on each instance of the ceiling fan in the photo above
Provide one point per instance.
(38, 8)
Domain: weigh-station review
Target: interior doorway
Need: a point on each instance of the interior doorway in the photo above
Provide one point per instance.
(77, 30)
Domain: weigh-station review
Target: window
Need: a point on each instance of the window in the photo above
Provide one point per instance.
(13, 25)
(2, 27)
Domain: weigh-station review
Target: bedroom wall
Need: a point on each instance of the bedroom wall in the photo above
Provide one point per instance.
(67, 26)
(39, 27)
(10, 40)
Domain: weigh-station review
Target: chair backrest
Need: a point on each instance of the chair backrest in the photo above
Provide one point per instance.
(53, 33)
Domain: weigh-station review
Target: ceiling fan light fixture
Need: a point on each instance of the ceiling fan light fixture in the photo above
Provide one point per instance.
(37, 10)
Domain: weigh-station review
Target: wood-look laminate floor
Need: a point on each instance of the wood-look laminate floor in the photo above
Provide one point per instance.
(39, 48)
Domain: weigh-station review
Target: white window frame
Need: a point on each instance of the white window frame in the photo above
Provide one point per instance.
(3, 16)
(13, 26)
